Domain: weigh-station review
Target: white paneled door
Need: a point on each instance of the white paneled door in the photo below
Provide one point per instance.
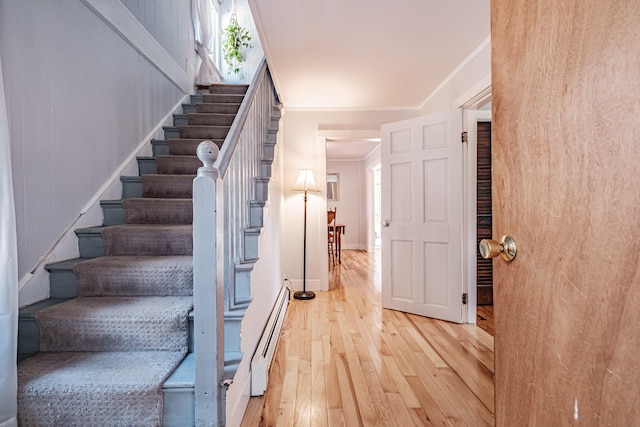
(422, 216)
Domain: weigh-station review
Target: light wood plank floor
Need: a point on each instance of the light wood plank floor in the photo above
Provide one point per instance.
(344, 361)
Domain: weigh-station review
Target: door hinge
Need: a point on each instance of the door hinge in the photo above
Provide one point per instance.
(463, 137)
(464, 299)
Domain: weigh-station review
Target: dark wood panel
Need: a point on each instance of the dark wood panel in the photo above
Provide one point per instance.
(484, 272)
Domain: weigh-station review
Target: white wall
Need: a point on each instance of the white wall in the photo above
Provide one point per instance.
(351, 206)
(86, 86)
(303, 149)
(266, 281)
(169, 22)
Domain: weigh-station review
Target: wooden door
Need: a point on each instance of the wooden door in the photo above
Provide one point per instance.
(422, 202)
(566, 176)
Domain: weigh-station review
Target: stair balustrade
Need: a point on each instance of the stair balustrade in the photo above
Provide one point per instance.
(229, 193)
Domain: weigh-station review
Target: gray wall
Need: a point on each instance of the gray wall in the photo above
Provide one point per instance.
(85, 84)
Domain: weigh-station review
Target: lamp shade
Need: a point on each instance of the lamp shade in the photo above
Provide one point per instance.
(306, 181)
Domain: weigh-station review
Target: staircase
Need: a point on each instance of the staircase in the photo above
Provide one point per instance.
(113, 345)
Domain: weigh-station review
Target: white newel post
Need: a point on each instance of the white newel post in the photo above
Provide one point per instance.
(208, 294)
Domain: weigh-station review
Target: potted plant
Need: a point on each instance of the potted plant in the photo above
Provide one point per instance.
(234, 40)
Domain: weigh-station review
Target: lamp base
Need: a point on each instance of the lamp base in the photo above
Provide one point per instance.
(304, 295)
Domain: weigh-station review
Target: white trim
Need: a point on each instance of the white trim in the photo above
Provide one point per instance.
(478, 93)
(468, 59)
(236, 410)
(351, 109)
(349, 134)
(472, 117)
(121, 20)
(13, 422)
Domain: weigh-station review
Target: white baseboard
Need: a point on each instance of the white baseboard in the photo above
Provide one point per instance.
(312, 285)
(237, 407)
(13, 422)
(356, 246)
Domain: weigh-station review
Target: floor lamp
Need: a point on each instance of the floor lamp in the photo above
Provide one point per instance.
(306, 182)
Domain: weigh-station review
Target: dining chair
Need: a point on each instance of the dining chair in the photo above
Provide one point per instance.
(331, 235)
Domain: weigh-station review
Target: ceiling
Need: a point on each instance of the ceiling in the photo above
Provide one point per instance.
(349, 148)
(365, 54)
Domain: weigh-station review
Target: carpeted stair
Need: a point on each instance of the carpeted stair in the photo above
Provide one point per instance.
(117, 325)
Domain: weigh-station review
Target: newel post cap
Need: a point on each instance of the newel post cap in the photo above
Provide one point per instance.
(208, 154)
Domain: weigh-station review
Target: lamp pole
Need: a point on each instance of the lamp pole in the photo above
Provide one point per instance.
(304, 294)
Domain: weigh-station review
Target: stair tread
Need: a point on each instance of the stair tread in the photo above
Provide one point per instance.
(170, 275)
(116, 323)
(148, 239)
(127, 383)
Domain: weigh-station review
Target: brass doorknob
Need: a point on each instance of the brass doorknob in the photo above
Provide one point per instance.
(491, 249)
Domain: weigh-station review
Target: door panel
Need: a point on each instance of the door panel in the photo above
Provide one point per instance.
(566, 84)
(422, 199)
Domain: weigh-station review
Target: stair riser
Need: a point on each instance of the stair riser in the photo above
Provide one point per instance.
(171, 132)
(227, 108)
(109, 342)
(91, 245)
(147, 166)
(178, 407)
(262, 189)
(158, 243)
(131, 186)
(63, 284)
(228, 89)
(256, 214)
(29, 336)
(158, 211)
(112, 212)
(210, 119)
(202, 132)
(180, 120)
(222, 98)
(188, 147)
(189, 108)
(177, 165)
(160, 147)
(251, 244)
(265, 168)
(153, 187)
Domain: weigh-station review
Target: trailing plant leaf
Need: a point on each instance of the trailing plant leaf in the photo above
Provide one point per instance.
(234, 39)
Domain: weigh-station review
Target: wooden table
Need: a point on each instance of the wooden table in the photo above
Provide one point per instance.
(340, 230)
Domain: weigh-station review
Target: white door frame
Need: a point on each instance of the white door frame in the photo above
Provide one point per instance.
(371, 206)
(479, 95)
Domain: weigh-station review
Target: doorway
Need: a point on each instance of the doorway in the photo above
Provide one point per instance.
(478, 224)
(484, 267)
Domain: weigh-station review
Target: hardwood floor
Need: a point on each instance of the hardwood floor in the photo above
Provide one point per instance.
(484, 318)
(342, 360)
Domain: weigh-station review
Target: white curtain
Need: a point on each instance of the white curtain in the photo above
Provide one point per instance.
(8, 277)
(203, 27)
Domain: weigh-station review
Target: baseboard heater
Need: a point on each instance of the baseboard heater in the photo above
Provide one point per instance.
(267, 346)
